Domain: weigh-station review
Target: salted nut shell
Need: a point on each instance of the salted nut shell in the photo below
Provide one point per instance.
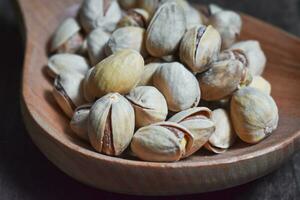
(255, 55)
(109, 75)
(79, 121)
(198, 122)
(67, 37)
(261, 84)
(254, 114)
(172, 80)
(127, 38)
(147, 76)
(96, 43)
(162, 142)
(111, 124)
(149, 105)
(135, 17)
(67, 92)
(224, 136)
(64, 63)
(165, 30)
(200, 46)
(103, 14)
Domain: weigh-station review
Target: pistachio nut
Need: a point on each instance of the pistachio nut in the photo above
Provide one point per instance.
(147, 76)
(162, 142)
(67, 91)
(172, 80)
(255, 55)
(135, 17)
(127, 38)
(128, 4)
(229, 25)
(87, 94)
(261, 84)
(63, 63)
(149, 104)
(103, 14)
(254, 114)
(119, 72)
(234, 54)
(224, 136)
(79, 121)
(165, 30)
(111, 124)
(198, 122)
(199, 47)
(67, 37)
(96, 43)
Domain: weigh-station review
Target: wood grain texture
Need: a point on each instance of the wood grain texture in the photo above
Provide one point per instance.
(49, 130)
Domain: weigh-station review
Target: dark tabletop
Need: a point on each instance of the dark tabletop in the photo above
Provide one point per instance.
(26, 174)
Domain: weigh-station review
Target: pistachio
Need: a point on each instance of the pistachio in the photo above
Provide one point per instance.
(79, 121)
(119, 72)
(127, 38)
(261, 84)
(111, 124)
(67, 91)
(149, 6)
(87, 94)
(135, 17)
(254, 114)
(198, 122)
(199, 47)
(162, 142)
(172, 80)
(67, 37)
(103, 14)
(224, 136)
(166, 30)
(147, 76)
(234, 54)
(255, 55)
(128, 4)
(149, 105)
(96, 43)
(63, 63)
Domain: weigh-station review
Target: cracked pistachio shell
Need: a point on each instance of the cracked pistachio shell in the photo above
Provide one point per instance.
(128, 4)
(111, 124)
(198, 122)
(149, 105)
(200, 46)
(135, 17)
(103, 14)
(254, 114)
(96, 43)
(178, 85)
(234, 54)
(147, 76)
(261, 84)
(67, 38)
(79, 121)
(63, 63)
(119, 72)
(222, 79)
(127, 38)
(165, 30)
(162, 142)
(67, 92)
(224, 136)
(255, 55)
(229, 25)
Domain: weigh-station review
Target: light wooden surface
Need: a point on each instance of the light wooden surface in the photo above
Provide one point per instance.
(49, 130)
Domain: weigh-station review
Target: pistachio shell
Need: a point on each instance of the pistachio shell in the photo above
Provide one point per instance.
(149, 105)
(147, 76)
(111, 124)
(149, 6)
(199, 47)
(119, 72)
(256, 57)
(261, 84)
(166, 30)
(162, 142)
(64, 63)
(128, 4)
(234, 54)
(87, 93)
(135, 17)
(254, 114)
(127, 38)
(96, 43)
(79, 121)
(172, 80)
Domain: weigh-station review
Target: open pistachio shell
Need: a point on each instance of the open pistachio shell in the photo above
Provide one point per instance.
(79, 121)
(149, 105)
(261, 84)
(111, 124)
(135, 17)
(147, 76)
(162, 142)
(254, 114)
(172, 80)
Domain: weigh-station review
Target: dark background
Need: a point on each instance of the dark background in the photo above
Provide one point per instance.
(26, 174)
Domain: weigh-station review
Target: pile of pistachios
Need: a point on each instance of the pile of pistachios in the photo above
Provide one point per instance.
(160, 79)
